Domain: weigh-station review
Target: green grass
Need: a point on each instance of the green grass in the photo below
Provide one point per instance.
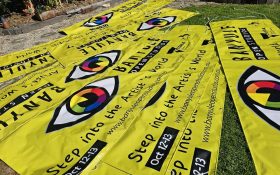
(230, 11)
(234, 156)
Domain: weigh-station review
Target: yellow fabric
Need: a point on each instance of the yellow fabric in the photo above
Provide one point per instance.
(198, 149)
(103, 168)
(135, 152)
(254, 85)
(120, 15)
(182, 91)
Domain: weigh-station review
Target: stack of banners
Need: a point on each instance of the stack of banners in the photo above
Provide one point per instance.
(173, 134)
(74, 48)
(68, 116)
(165, 114)
(76, 124)
(249, 51)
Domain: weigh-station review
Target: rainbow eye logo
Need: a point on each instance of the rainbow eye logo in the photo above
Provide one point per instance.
(157, 22)
(265, 93)
(87, 100)
(92, 22)
(84, 103)
(260, 90)
(94, 65)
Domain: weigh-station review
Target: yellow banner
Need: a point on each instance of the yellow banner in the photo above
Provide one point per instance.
(254, 83)
(148, 26)
(198, 148)
(103, 168)
(118, 16)
(182, 87)
(154, 144)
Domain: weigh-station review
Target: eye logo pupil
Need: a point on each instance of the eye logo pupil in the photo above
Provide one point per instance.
(95, 64)
(88, 100)
(266, 93)
(157, 22)
(100, 20)
(260, 91)
(92, 22)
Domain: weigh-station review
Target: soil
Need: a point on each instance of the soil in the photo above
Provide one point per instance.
(17, 19)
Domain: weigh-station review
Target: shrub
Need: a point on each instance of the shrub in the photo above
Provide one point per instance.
(3, 6)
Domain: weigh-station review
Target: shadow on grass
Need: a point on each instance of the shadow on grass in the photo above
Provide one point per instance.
(218, 12)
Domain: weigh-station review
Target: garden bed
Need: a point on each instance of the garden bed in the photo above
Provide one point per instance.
(16, 19)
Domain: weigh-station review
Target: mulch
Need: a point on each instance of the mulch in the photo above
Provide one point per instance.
(18, 19)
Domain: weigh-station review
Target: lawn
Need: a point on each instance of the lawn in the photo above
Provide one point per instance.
(234, 157)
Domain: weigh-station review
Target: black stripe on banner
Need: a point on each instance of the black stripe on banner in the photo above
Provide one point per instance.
(21, 98)
(200, 162)
(255, 48)
(86, 158)
(149, 56)
(162, 148)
